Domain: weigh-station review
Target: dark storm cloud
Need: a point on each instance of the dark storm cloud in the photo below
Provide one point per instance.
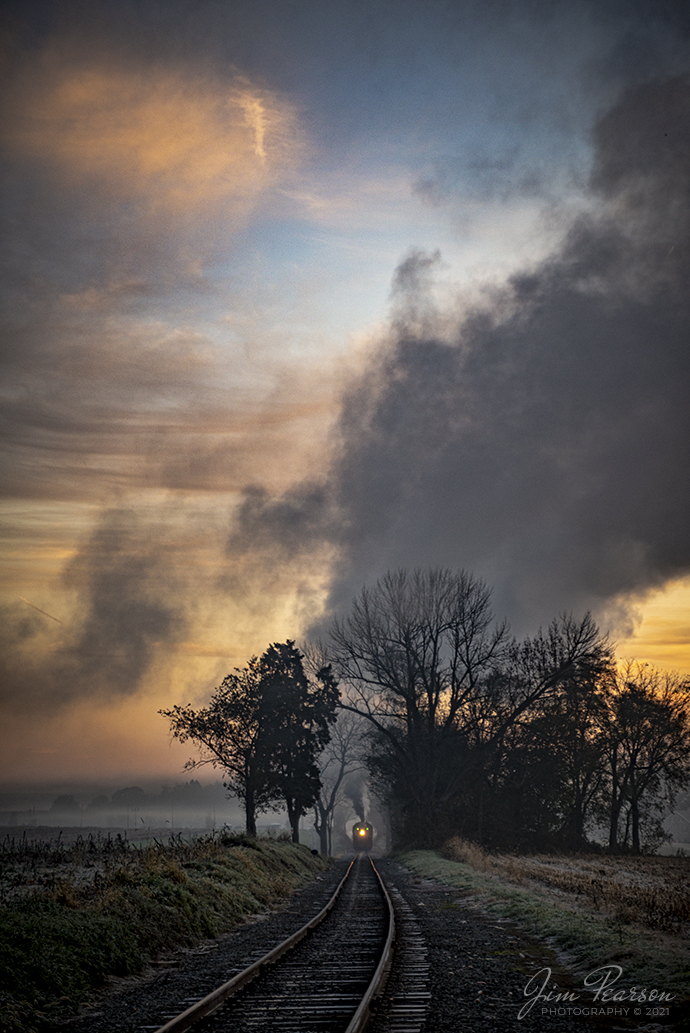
(548, 447)
(544, 444)
(132, 160)
(129, 606)
(131, 601)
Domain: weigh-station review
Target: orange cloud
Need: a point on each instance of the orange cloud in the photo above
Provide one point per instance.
(172, 136)
(662, 633)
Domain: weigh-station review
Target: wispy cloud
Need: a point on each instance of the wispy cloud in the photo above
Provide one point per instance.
(128, 180)
(170, 138)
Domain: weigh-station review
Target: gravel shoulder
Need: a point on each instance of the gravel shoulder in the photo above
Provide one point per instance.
(481, 964)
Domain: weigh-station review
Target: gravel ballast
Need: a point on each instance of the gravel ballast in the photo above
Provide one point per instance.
(479, 967)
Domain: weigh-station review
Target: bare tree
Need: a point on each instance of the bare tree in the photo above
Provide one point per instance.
(341, 758)
(648, 747)
(414, 653)
(541, 666)
(415, 647)
(427, 665)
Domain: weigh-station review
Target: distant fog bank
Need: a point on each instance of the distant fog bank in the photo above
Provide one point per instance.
(187, 805)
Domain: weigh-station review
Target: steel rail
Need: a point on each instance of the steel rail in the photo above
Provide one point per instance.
(220, 995)
(209, 1004)
(363, 1013)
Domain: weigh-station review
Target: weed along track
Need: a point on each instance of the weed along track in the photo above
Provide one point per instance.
(326, 976)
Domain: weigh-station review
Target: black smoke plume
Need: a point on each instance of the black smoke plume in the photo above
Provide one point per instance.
(355, 789)
(544, 442)
(127, 607)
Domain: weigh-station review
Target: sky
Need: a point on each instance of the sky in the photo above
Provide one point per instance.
(297, 292)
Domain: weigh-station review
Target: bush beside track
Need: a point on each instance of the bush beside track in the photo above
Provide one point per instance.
(61, 942)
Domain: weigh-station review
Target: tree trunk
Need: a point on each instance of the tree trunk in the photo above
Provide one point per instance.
(577, 820)
(616, 804)
(324, 833)
(293, 818)
(635, 815)
(480, 814)
(321, 826)
(624, 844)
(250, 814)
(251, 826)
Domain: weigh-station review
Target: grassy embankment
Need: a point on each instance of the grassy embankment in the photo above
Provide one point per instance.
(632, 912)
(71, 917)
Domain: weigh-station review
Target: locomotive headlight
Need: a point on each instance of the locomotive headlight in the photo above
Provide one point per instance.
(362, 832)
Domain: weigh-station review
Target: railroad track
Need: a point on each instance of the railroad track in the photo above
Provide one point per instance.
(324, 978)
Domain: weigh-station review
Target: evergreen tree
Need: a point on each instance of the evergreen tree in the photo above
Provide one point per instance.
(299, 713)
(264, 726)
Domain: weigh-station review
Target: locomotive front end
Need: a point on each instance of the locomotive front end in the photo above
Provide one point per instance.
(362, 836)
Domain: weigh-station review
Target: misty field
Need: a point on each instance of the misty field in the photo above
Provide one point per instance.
(72, 915)
(595, 910)
(650, 891)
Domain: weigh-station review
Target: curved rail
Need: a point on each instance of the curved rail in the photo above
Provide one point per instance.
(209, 1004)
(361, 1016)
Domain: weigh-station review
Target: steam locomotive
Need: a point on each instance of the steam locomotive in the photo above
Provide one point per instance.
(362, 835)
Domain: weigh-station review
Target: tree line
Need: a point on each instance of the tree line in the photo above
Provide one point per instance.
(516, 745)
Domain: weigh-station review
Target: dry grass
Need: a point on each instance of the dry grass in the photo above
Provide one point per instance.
(585, 939)
(458, 849)
(650, 891)
(85, 864)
